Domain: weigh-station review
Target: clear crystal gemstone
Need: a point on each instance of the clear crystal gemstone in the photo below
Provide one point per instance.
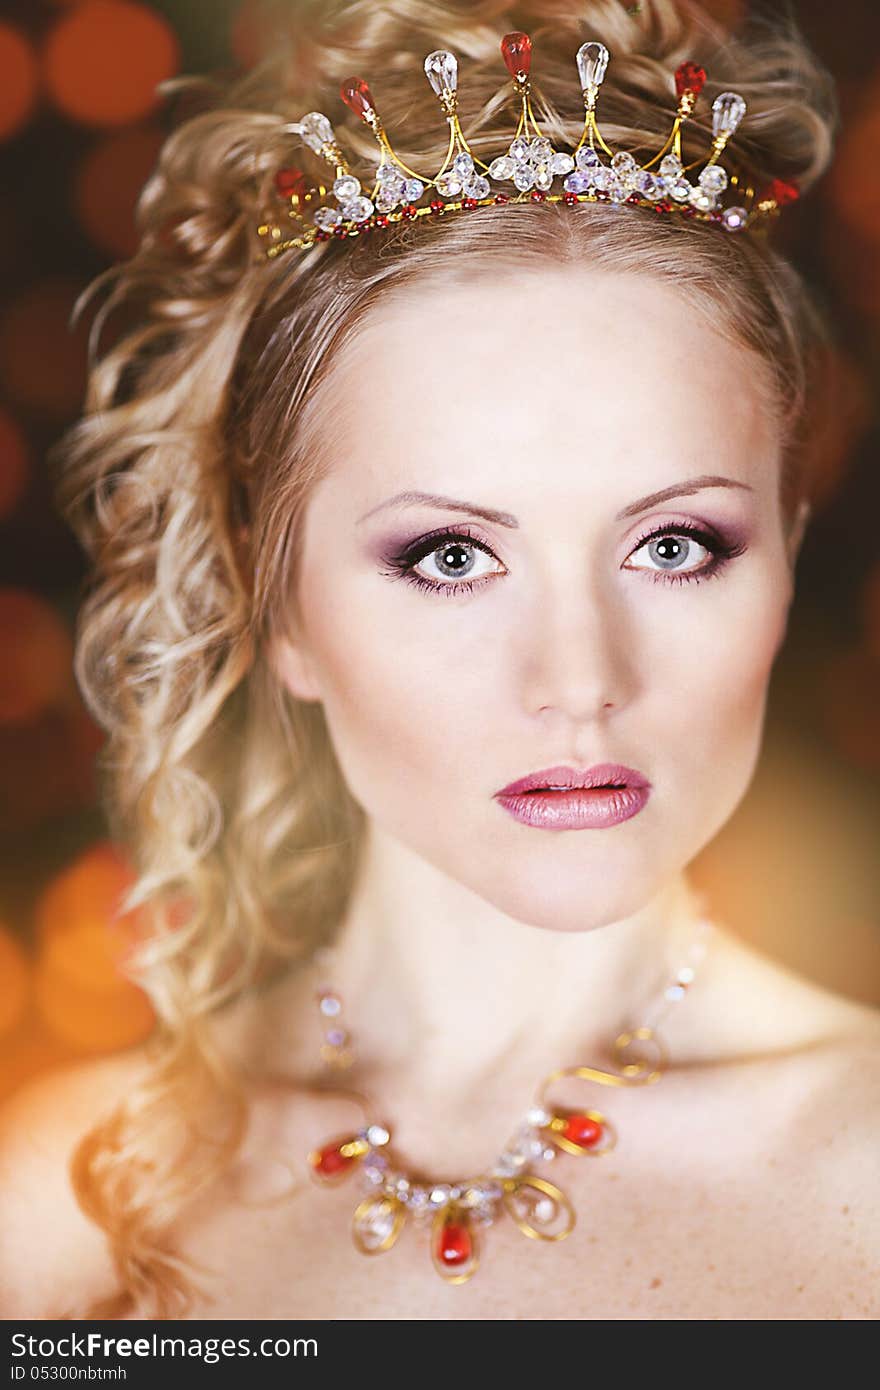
(329, 1005)
(602, 178)
(561, 163)
(327, 218)
(401, 1186)
(728, 110)
(714, 179)
(441, 70)
(502, 167)
(359, 209)
(413, 190)
(439, 1194)
(449, 185)
(418, 1199)
(680, 191)
(524, 177)
(592, 61)
(618, 192)
(734, 219)
(540, 150)
(701, 200)
(346, 187)
(623, 164)
(386, 202)
(686, 975)
(537, 1116)
(549, 1154)
(478, 187)
(316, 130)
(376, 1224)
(577, 182)
(543, 177)
(463, 165)
(587, 158)
(674, 992)
(519, 148)
(670, 167)
(377, 1135)
(648, 185)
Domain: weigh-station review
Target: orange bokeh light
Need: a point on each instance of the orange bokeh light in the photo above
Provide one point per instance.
(104, 59)
(108, 183)
(19, 80)
(15, 979)
(43, 361)
(855, 177)
(37, 654)
(83, 941)
(14, 464)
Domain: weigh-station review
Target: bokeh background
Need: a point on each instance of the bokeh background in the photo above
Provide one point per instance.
(796, 871)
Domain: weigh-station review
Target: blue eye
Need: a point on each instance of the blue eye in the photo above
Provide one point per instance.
(456, 553)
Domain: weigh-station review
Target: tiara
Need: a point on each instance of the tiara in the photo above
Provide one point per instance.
(592, 173)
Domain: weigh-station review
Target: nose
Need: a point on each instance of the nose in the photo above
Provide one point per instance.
(577, 654)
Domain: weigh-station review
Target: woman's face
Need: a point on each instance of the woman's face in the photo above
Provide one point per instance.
(455, 652)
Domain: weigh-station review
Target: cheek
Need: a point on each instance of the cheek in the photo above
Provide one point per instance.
(393, 711)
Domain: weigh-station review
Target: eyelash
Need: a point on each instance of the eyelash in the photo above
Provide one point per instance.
(402, 565)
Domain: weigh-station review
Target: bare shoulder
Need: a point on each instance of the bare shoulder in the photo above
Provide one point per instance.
(49, 1245)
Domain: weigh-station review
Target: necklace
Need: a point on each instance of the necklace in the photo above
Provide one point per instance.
(457, 1212)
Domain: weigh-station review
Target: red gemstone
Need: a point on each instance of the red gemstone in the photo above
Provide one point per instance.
(581, 1130)
(290, 181)
(409, 210)
(690, 77)
(516, 49)
(538, 195)
(330, 1162)
(382, 220)
(502, 197)
(781, 192)
(322, 235)
(437, 205)
(469, 202)
(455, 1246)
(340, 231)
(569, 197)
(357, 96)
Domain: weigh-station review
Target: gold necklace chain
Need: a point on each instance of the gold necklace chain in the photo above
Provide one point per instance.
(458, 1212)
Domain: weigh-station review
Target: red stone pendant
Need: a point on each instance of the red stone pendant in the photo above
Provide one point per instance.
(689, 77)
(336, 1158)
(516, 49)
(453, 1245)
(582, 1130)
(781, 192)
(291, 181)
(358, 97)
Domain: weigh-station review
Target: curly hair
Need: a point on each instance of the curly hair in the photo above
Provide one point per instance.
(201, 438)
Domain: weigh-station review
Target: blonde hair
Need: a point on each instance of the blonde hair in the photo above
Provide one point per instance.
(200, 441)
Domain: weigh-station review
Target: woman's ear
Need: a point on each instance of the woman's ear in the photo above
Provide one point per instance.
(292, 665)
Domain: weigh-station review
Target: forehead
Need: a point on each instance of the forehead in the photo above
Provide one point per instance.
(542, 375)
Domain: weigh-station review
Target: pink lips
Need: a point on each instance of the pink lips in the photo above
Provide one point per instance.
(564, 798)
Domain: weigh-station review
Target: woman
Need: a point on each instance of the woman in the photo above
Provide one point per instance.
(381, 529)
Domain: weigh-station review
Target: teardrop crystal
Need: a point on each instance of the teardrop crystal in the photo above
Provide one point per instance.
(358, 97)
(728, 110)
(516, 49)
(592, 61)
(441, 70)
(316, 130)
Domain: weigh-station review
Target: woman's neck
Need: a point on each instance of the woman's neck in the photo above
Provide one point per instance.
(445, 995)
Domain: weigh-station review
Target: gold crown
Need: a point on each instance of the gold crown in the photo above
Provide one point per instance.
(717, 196)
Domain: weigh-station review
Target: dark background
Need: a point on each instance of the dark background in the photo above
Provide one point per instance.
(795, 871)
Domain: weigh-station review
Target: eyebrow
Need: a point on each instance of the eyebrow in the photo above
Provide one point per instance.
(452, 504)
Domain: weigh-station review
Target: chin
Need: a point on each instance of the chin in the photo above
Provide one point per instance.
(574, 902)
